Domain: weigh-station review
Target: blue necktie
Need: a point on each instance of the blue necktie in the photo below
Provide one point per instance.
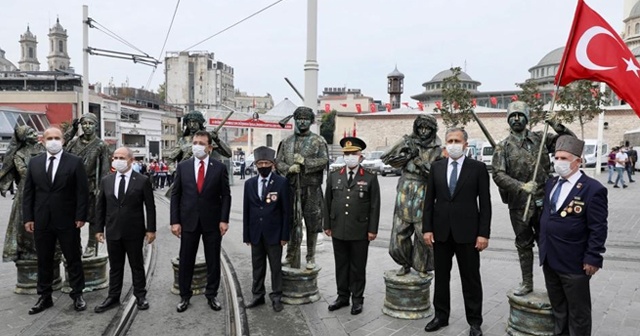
(556, 194)
(453, 179)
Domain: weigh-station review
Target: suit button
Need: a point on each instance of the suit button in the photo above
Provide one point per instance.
(346, 213)
(347, 205)
(348, 189)
(261, 208)
(261, 219)
(347, 197)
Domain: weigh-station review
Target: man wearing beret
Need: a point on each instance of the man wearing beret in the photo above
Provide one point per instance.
(573, 231)
(266, 221)
(352, 215)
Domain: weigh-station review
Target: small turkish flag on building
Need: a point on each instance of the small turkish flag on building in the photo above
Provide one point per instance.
(373, 108)
(388, 107)
(494, 101)
(595, 52)
(537, 95)
(438, 104)
(514, 98)
(343, 105)
(474, 102)
(327, 108)
(358, 108)
(405, 104)
(420, 106)
(354, 129)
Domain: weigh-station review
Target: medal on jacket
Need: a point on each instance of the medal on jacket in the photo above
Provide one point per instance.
(563, 214)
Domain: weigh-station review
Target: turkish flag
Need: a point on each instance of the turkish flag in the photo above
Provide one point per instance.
(358, 108)
(494, 101)
(438, 104)
(405, 104)
(474, 102)
(420, 106)
(537, 95)
(596, 52)
(373, 108)
(388, 107)
(514, 98)
(354, 129)
(343, 105)
(344, 134)
(327, 108)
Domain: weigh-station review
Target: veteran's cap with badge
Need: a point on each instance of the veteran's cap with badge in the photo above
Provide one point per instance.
(570, 144)
(352, 144)
(264, 153)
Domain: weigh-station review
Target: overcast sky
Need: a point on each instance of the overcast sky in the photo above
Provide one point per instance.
(359, 41)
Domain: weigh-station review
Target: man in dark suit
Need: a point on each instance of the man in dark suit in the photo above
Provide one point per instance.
(573, 231)
(54, 209)
(200, 206)
(121, 204)
(266, 220)
(456, 221)
(351, 220)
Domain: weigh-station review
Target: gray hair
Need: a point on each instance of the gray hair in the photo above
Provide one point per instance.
(457, 129)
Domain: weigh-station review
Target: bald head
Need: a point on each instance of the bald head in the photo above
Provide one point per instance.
(53, 140)
(124, 153)
(52, 133)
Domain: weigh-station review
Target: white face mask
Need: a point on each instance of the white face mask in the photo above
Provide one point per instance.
(53, 146)
(351, 160)
(563, 168)
(455, 150)
(198, 151)
(120, 165)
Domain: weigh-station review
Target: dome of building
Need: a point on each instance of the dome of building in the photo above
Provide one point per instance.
(635, 11)
(396, 73)
(5, 64)
(448, 73)
(636, 51)
(552, 58)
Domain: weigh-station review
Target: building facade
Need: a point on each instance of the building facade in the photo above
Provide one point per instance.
(252, 103)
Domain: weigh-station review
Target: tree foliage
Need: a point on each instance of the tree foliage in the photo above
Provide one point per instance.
(162, 92)
(580, 101)
(532, 96)
(328, 126)
(456, 107)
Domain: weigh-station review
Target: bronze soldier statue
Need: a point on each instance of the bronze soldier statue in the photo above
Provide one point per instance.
(96, 156)
(414, 155)
(514, 160)
(18, 244)
(193, 122)
(302, 158)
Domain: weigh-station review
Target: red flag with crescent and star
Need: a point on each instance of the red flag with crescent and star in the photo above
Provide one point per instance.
(358, 108)
(596, 52)
(420, 106)
(373, 108)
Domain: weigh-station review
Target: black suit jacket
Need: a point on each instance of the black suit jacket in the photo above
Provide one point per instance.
(270, 220)
(467, 213)
(124, 218)
(210, 207)
(61, 203)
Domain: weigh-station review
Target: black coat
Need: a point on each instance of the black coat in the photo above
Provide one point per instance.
(271, 218)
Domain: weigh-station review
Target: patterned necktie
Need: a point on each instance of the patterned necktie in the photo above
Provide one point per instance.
(453, 179)
(350, 177)
(50, 169)
(556, 194)
(121, 187)
(200, 180)
(263, 193)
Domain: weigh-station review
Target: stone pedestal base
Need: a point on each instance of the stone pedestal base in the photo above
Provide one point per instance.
(96, 275)
(199, 281)
(530, 314)
(407, 296)
(300, 285)
(28, 276)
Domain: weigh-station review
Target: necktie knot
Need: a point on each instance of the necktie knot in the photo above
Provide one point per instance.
(201, 162)
(556, 194)
(454, 163)
(52, 158)
(350, 176)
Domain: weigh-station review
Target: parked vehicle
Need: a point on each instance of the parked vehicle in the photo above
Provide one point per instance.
(388, 169)
(236, 167)
(338, 163)
(590, 154)
(486, 154)
(373, 162)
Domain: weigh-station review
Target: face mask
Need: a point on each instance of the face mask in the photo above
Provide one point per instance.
(455, 150)
(198, 151)
(120, 165)
(351, 160)
(563, 168)
(53, 146)
(264, 171)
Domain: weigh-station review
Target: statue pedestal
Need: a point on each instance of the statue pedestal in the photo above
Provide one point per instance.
(95, 274)
(28, 276)
(300, 285)
(199, 281)
(530, 314)
(407, 296)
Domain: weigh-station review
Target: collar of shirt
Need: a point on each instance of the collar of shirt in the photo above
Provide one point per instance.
(354, 170)
(260, 178)
(196, 164)
(127, 175)
(127, 178)
(459, 160)
(566, 187)
(58, 156)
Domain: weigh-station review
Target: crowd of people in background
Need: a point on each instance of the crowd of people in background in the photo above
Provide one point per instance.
(160, 172)
(621, 160)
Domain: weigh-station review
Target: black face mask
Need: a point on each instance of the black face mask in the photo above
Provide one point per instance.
(264, 171)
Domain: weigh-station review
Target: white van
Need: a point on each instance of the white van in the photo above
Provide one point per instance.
(486, 154)
(589, 154)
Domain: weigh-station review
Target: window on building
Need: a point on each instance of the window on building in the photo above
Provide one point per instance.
(637, 28)
(51, 45)
(269, 140)
(129, 115)
(110, 128)
(30, 52)
(133, 140)
(61, 46)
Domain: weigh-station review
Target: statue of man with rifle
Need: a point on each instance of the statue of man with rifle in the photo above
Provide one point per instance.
(193, 122)
(513, 165)
(302, 158)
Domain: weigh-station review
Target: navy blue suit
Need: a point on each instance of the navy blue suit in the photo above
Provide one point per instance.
(265, 224)
(573, 235)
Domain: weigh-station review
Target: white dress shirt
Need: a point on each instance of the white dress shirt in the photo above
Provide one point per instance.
(196, 166)
(260, 191)
(56, 163)
(566, 188)
(127, 177)
(460, 161)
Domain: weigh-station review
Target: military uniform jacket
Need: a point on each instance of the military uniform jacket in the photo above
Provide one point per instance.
(352, 210)
(314, 150)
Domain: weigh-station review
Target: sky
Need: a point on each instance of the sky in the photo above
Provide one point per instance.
(359, 41)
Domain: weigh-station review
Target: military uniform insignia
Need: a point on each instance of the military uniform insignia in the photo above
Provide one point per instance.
(362, 183)
(577, 209)
(579, 185)
(348, 144)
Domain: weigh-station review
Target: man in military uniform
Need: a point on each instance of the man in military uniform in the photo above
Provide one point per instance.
(193, 122)
(514, 161)
(352, 215)
(302, 157)
(414, 155)
(96, 156)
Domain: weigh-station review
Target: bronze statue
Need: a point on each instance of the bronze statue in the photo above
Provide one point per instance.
(96, 156)
(18, 244)
(414, 155)
(302, 158)
(193, 122)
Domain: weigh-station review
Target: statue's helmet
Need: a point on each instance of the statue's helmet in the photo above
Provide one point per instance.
(518, 107)
(305, 112)
(90, 117)
(425, 120)
(195, 116)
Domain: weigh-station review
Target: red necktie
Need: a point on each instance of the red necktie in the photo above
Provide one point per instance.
(200, 181)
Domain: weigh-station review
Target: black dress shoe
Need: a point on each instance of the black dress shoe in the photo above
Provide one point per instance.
(277, 305)
(255, 302)
(79, 304)
(214, 304)
(142, 303)
(43, 303)
(337, 304)
(183, 305)
(475, 331)
(435, 324)
(108, 303)
(356, 309)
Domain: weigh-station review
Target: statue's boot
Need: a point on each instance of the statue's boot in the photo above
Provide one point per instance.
(311, 250)
(403, 270)
(92, 248)
(526, 266)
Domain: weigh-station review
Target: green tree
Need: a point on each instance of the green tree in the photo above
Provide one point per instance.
(328, 126)
(162, 92)
(533, 97)
(456, 107)
(580, 101)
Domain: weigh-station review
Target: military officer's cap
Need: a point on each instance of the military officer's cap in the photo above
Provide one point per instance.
(264, 153)
(570, 144)
(518, 107)
(352, 144)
